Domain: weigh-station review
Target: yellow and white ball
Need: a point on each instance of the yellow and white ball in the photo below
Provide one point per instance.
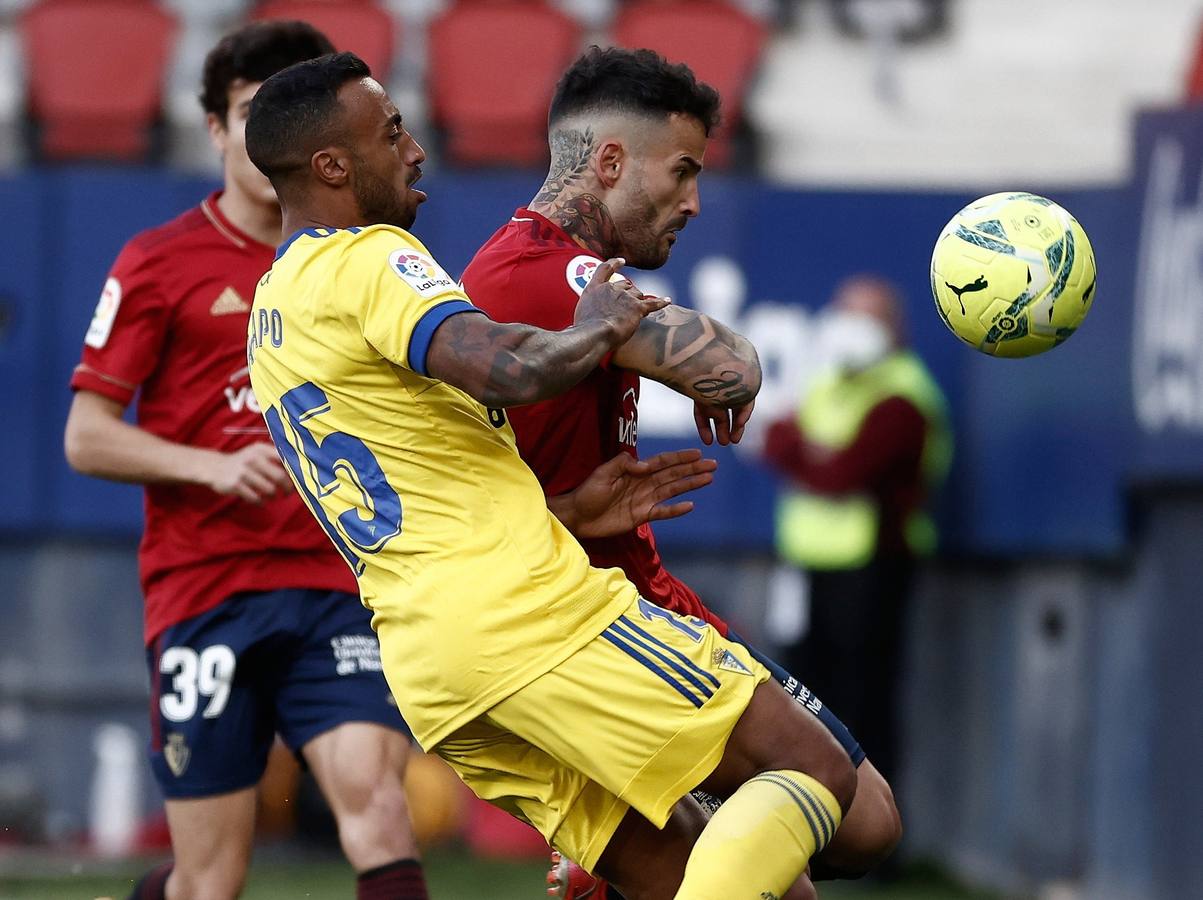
(1013, 274)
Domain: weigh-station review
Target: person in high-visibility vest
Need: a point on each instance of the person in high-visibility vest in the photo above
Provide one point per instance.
(864, 452)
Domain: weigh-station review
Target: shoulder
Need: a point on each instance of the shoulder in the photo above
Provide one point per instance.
(163, 240)
(385, 251)
(150, 249)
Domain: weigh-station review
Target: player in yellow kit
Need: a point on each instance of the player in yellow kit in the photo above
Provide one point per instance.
(550, 687)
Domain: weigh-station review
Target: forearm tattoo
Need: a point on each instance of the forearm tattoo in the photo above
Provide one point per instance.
(700, 357)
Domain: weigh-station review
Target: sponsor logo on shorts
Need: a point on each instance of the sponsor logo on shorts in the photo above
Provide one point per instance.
(802, 694)
(177, 753)
(420, 272)
(355, 653)
(727, 660)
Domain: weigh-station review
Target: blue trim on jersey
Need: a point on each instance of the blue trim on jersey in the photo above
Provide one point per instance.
(675, 652)
(648, 664)
(313, 232)
(651, 648)
(423, 333)
(283, 248)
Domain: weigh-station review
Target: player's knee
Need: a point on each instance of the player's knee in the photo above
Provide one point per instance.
(838, 775)
(869, 835)
(884, 830)
(374, 827)
(829, 766)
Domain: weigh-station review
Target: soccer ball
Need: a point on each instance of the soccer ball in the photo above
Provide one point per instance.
(1013, 274)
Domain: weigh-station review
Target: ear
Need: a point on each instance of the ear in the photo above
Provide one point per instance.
(331, 166)
(608, 162)
(217, 132)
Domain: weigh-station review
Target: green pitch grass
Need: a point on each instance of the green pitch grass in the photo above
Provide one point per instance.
(452, 875)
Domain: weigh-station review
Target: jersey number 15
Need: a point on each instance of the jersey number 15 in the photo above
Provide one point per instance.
(337, 457)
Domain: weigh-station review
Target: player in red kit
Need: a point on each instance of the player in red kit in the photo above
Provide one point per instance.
(253, 623)
(628, 133)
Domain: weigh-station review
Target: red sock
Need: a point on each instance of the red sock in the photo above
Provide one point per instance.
(153, 885)
(400, 880)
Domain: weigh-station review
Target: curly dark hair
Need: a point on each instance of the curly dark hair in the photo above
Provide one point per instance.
(253, 53)
(637, 81)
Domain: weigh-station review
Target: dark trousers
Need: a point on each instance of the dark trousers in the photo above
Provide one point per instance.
(851, 656)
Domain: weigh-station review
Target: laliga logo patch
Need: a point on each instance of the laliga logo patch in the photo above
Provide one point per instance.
(580, 269)
(105, 315)
(420, 272)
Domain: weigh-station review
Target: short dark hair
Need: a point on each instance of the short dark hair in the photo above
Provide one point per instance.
(295, 112)
(637, 81)
(255, 53)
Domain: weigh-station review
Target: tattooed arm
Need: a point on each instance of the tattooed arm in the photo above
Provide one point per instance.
(511, 364)
(695, 356)
(701, 358)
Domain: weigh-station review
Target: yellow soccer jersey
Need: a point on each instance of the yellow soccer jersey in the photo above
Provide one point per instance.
(476, 588)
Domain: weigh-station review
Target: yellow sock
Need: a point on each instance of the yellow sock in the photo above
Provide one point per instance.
(761, 839)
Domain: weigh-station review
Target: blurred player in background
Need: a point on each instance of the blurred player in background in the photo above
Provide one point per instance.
(551, 687)
(253, 620)
(253, 624)
(865, 450)
(628, 132)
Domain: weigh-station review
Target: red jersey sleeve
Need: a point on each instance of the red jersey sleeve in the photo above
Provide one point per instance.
(125, 338)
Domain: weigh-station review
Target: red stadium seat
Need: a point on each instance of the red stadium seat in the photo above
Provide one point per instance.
(95, 73)
(720, 42)
(1194, 76)
(493, 68)
(356, 25)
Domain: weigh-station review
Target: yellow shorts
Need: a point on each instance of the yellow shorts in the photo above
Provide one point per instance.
(635, 718)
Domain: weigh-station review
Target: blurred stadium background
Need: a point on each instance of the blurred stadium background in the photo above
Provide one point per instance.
(1051, 698)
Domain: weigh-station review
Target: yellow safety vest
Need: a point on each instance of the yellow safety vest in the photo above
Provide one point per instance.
(840, 532)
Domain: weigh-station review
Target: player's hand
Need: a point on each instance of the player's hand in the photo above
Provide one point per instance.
(718, 422)
(253, 473)
(623, 493)
(616, 302)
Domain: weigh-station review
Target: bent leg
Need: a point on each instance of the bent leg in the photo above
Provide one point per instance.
(870, 831)
(360, 768)
(872, 827)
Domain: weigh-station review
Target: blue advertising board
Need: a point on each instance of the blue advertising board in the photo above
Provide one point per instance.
(1167, 333)
(1044, 445)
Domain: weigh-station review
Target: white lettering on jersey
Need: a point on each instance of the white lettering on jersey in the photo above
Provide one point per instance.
(420, 272)
(628, 420)
(105, 314)
(579, 270)
(242, 398)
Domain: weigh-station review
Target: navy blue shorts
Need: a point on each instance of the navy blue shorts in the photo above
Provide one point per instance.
(805, 698)
(225, 682)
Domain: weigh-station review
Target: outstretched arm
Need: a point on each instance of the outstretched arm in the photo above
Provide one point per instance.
(623, 493)
(510, 364)
(702, 359)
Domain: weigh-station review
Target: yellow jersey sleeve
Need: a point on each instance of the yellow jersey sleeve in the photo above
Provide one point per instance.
(406, 294)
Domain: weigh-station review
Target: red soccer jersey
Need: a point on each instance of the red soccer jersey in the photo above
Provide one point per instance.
(531, 271)
(171, 327)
